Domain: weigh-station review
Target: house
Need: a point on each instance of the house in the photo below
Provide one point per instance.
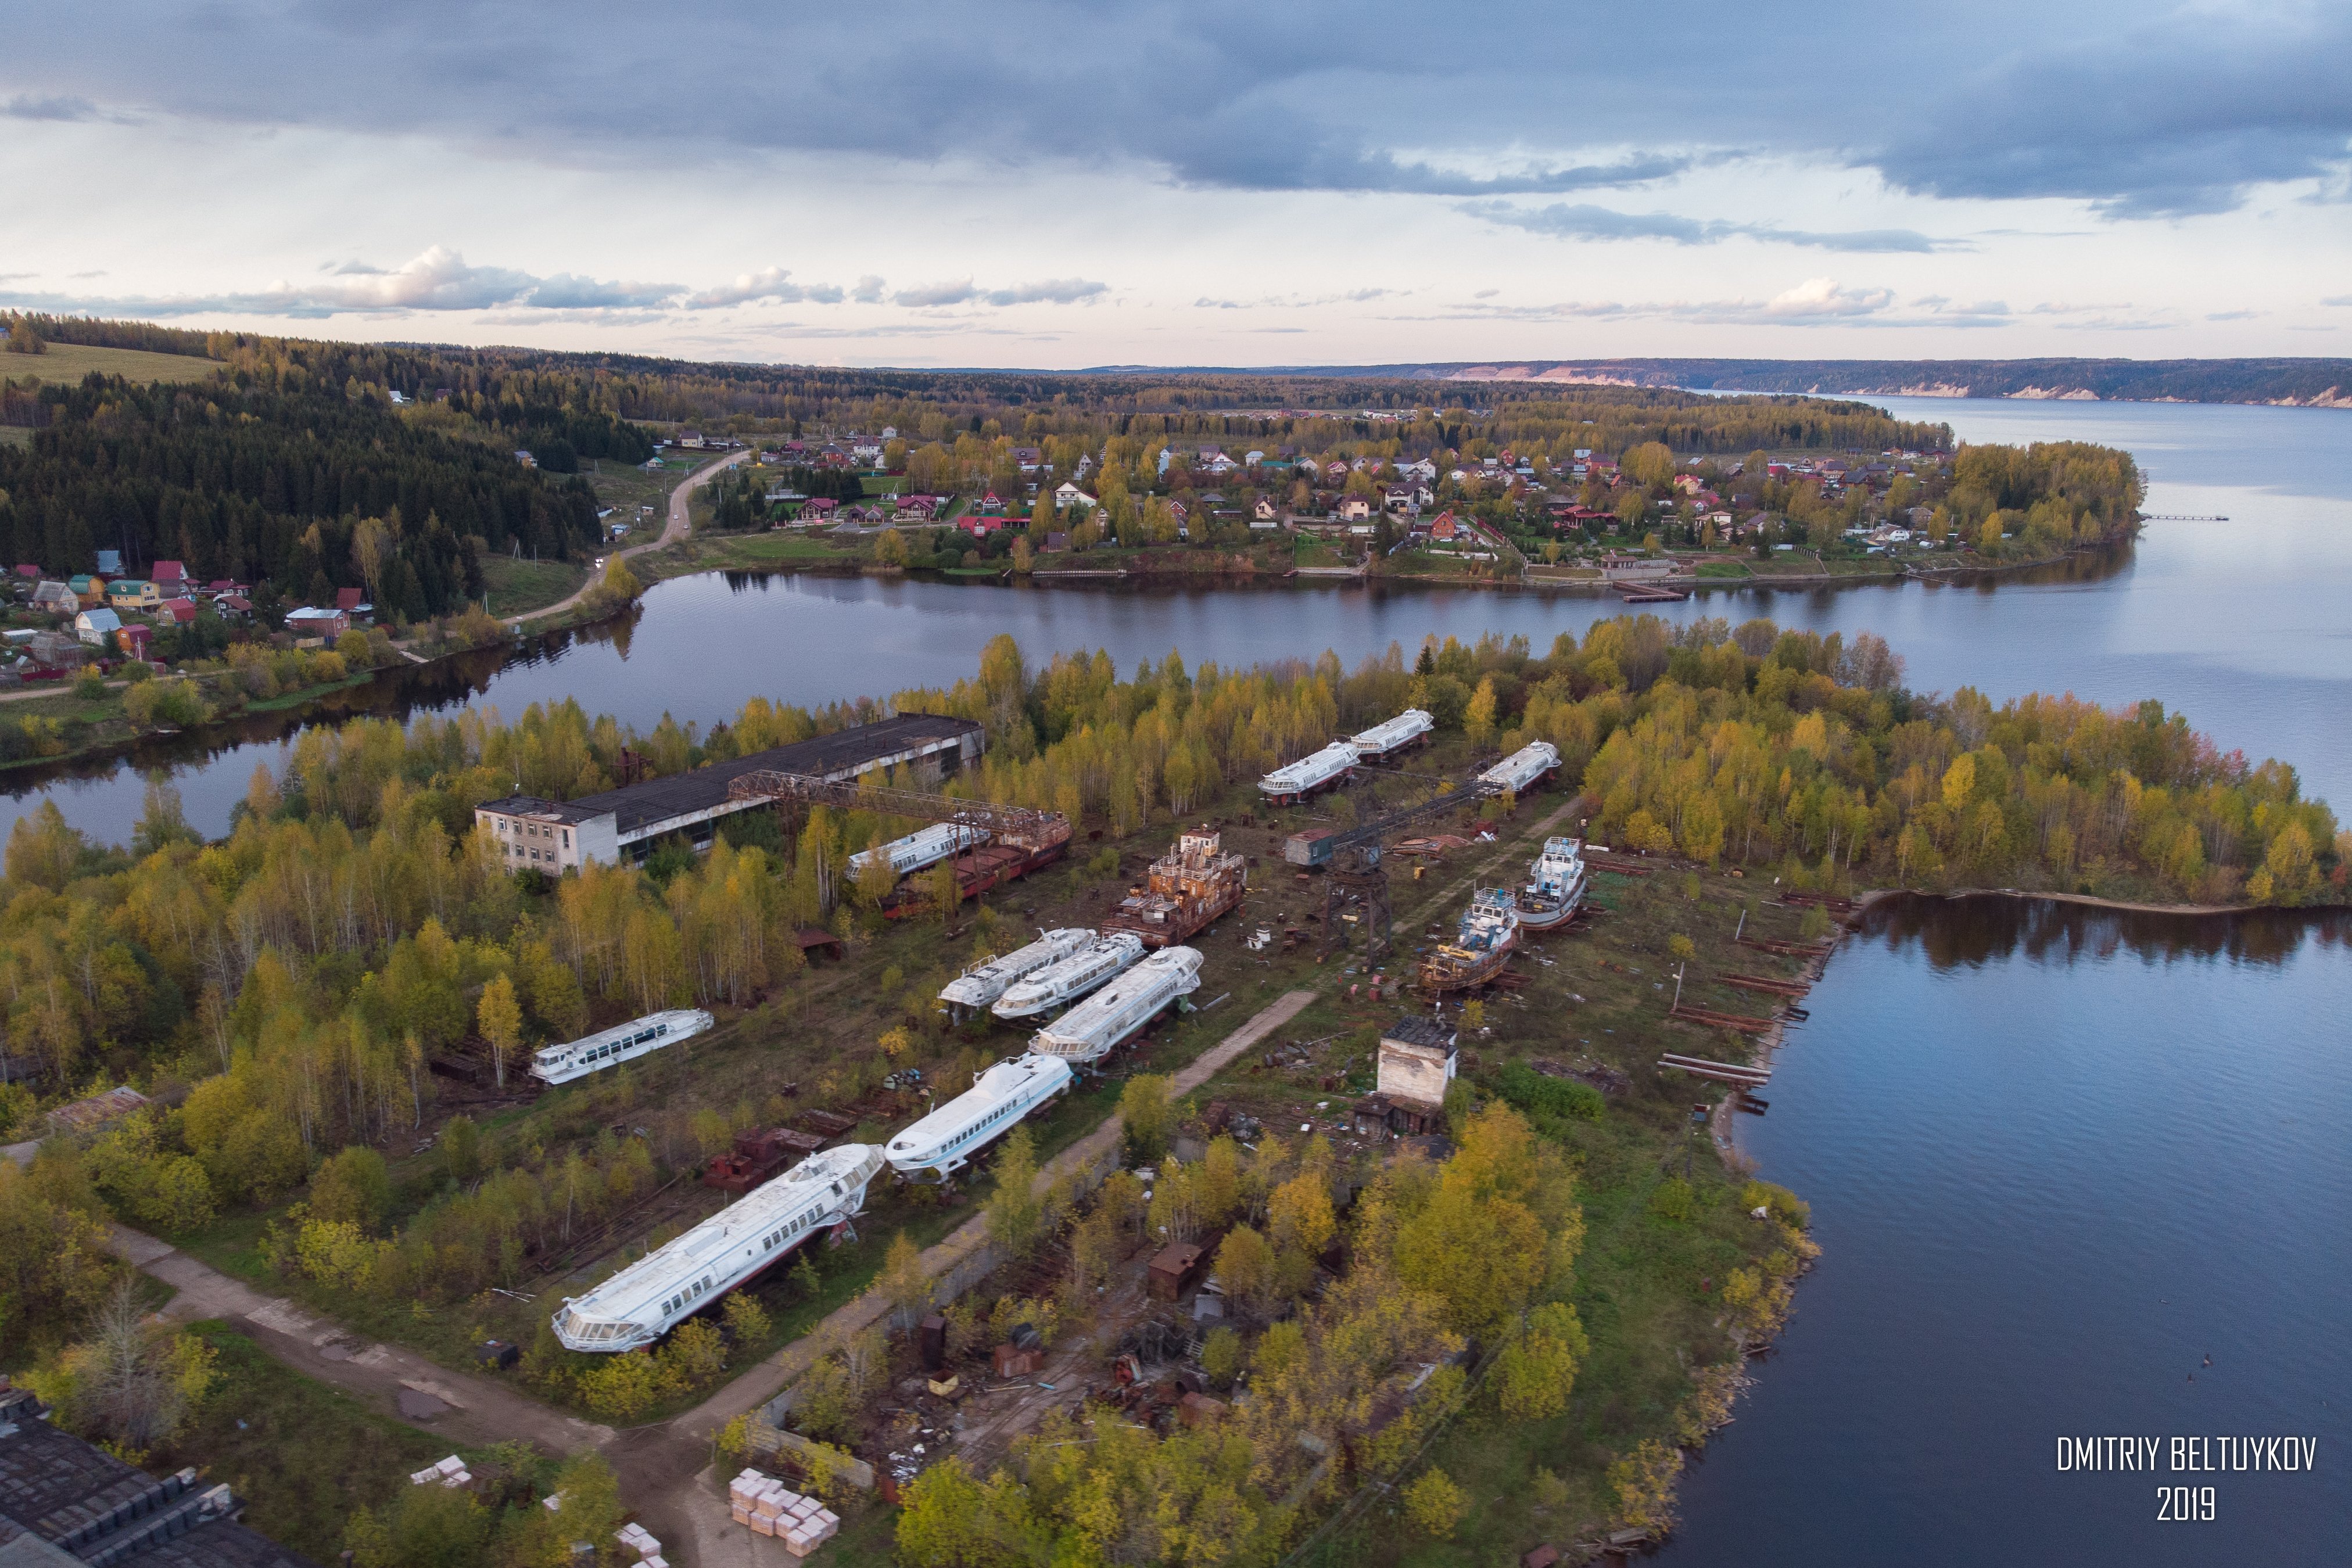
(917, 508)
(132, 593)
(525, 458)
(97, 627)
(978, 525)
(135, 641)
(233, 607)
(991, 505)
(1028, 459)
(1056, 542)
(1068, 494)
(54, 650)
(170, 575)
(1446, 528)
(1266, 511)
(690, 439)
(821, 507)
(1689, 483)
(221, 585)
(56, 598)
(177, 611)
(353, 602)
(1352, 509)
(87, 589)
(1398, 499)
(30, 573)
(309, 622)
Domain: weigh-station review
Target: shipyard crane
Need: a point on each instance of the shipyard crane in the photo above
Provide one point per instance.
(1358, 873)
(998, 843)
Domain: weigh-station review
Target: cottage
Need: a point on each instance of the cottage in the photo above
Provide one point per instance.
(233, 607)
(353, 603)
(170, 575)
(132, 593)
(1352, 509)
(309, 622)
(1445, 529)
(1266, 511)
(54, 650)
(57, 599)
(30, 573)
(820, 506)
(87, 590)
(110, 562)
(1068, 494)
(97, 627)
(525, 458)
(176, 613)
(135, 641)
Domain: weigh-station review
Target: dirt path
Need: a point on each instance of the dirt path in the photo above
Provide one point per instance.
(387, 1379)
(666, 1466)
(675, 530)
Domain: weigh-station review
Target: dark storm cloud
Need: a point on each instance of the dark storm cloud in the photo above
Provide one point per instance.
(2143, 114)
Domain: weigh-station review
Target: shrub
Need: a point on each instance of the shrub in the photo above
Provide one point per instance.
(1675, 1200)
(1526, 1089)
(89, 686)
(1435, 1505)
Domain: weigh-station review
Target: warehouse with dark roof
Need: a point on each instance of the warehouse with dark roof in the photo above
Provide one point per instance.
(620, 825)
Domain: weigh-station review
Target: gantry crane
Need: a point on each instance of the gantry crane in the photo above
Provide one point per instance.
(1358, 873)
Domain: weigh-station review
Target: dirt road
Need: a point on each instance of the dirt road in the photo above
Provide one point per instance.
(674, 529)
(395, 1382)
(666, 1468)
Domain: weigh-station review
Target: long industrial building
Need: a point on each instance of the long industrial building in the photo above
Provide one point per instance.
(622, 825)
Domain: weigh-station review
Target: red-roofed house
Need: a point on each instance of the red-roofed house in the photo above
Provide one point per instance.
(979, 526)
(134, 641)
(233, 606)
(177, 611)
(1445, 528)
(353, 602)
(32, 571)
(170, 576)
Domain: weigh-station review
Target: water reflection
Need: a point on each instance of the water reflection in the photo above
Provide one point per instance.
(1984, 930)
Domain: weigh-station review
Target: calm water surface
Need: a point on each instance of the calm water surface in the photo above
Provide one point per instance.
(2056, 1157)
(2243, 625)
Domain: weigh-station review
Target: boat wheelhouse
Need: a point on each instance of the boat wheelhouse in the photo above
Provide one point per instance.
(946, 1139)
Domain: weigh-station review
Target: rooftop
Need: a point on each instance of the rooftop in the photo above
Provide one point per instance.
(1420, 1031)
(844, 752)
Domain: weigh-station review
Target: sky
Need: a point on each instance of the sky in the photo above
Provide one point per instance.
(1134, 182)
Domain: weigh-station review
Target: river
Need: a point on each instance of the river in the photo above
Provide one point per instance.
(2057, 1157)
(2243, 625)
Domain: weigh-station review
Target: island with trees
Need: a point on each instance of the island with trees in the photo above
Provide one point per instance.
(1551, 1307)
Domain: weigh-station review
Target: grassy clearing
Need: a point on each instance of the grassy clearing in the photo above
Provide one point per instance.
(301, 1456)
(517, 586)
(16, 435)
(67, 364)
(767, 551)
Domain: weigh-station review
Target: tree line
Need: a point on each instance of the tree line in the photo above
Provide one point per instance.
(286, 987)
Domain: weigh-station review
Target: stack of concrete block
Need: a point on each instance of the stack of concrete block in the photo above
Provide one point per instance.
(637, 1540)
(448, 1472)
(770, 1508)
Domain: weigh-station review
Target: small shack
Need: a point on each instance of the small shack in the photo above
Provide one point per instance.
(1418, 1060)
(1177, 1270)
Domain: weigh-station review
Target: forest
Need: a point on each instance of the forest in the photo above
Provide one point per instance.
(283, 987)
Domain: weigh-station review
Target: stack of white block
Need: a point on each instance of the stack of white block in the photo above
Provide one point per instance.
(770, 1508)
(450, 1472)
(648, 1550)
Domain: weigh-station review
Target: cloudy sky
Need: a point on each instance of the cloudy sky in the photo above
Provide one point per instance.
(1141, 182)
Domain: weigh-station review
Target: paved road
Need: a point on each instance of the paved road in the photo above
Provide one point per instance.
(675, 530)
(666, 1468)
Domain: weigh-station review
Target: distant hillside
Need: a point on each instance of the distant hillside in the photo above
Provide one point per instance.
(2313, 384)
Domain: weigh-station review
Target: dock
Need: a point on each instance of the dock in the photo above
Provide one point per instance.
(1714, 1019)
(1721, 1071)
(1648, 592)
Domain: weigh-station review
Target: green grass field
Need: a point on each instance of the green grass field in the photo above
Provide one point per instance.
(68, 362)
(515, 586)
(301, 1457)
(16, 435)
